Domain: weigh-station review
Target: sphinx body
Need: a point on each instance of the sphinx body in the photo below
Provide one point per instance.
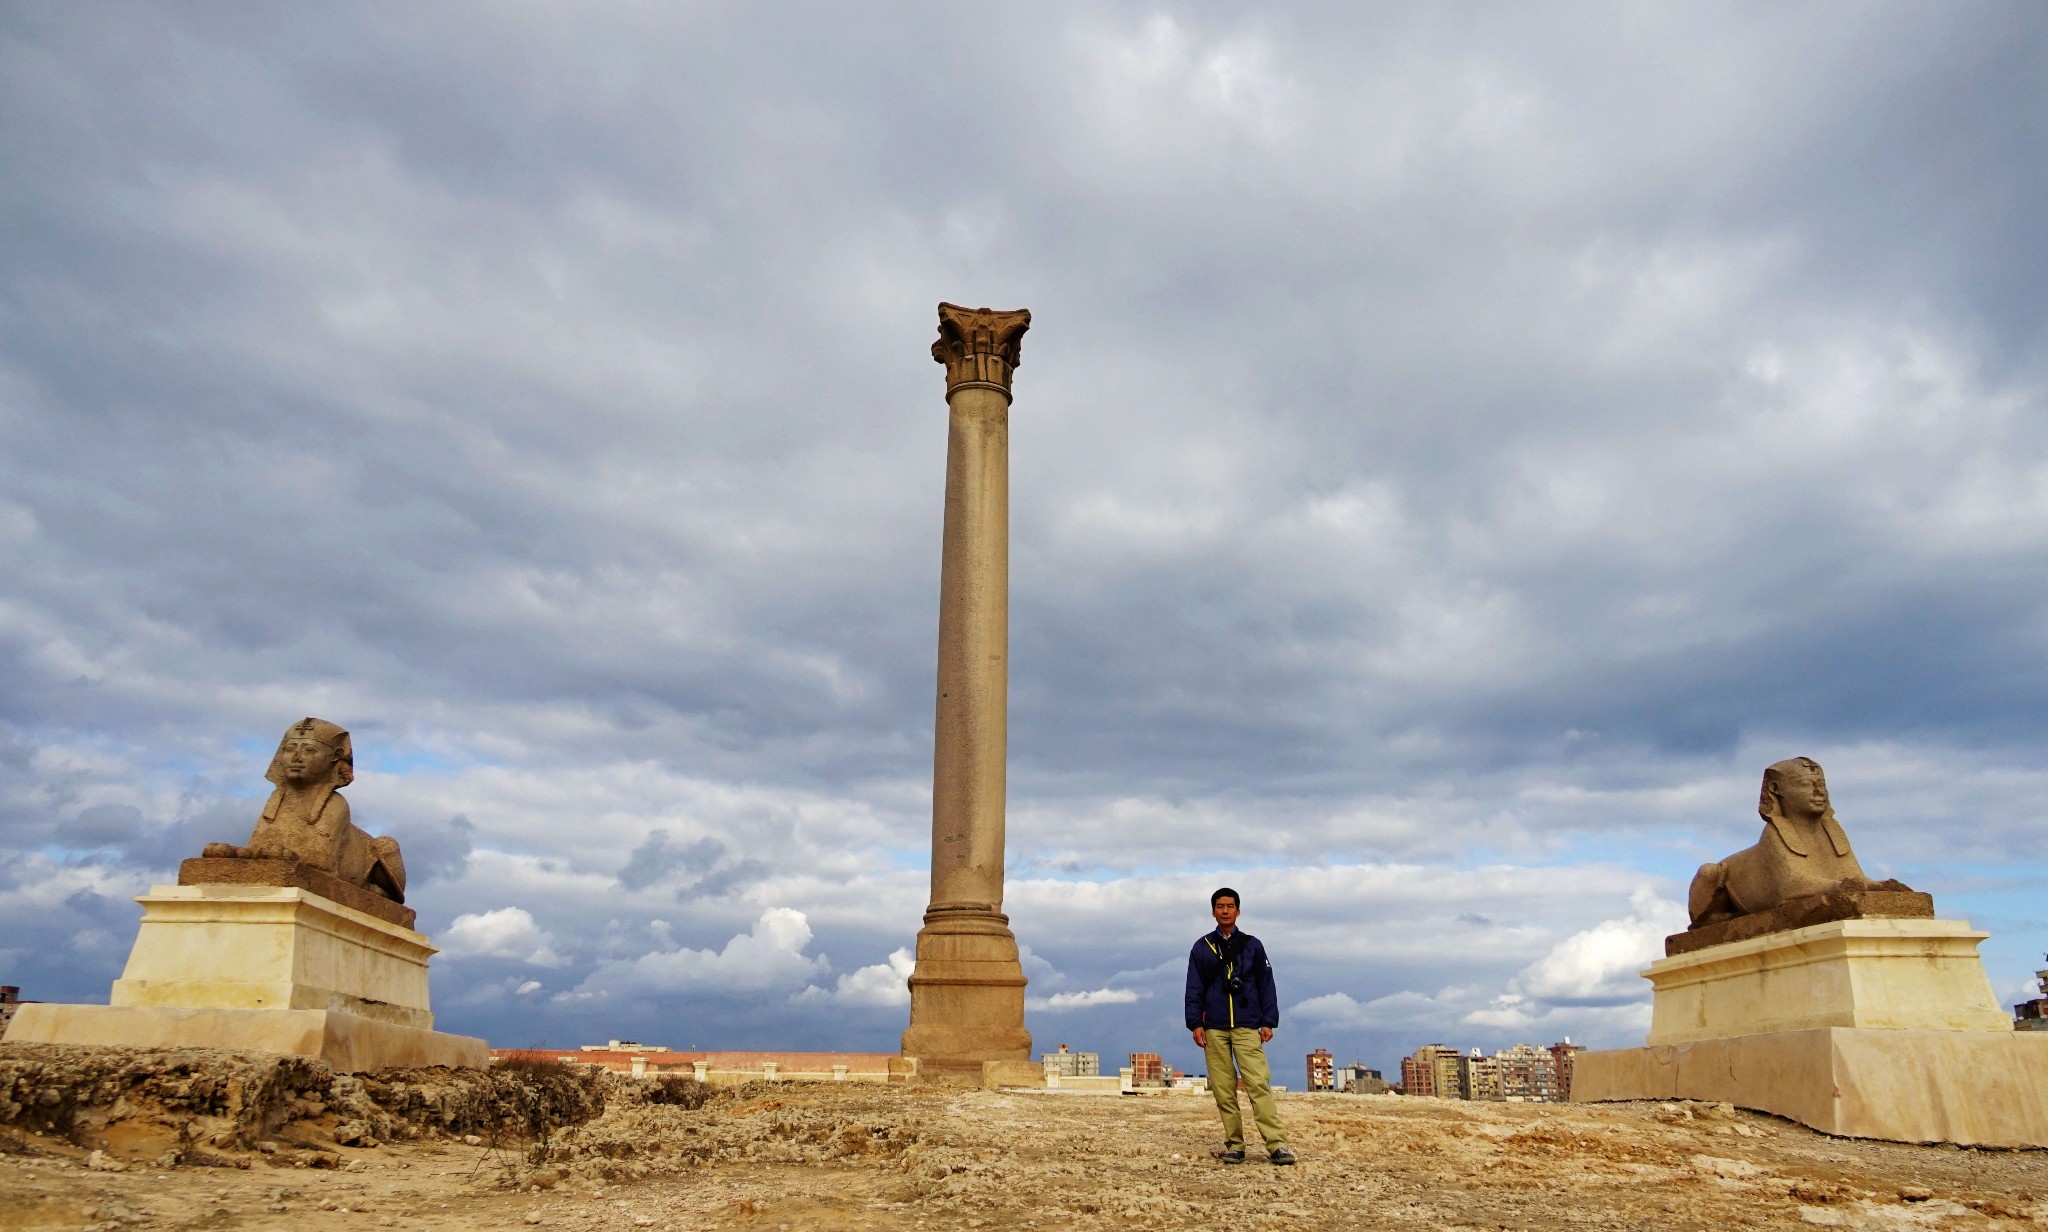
(1802, 851)
(307, 821)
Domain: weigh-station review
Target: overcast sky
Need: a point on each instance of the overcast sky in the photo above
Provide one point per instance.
(1456, 449)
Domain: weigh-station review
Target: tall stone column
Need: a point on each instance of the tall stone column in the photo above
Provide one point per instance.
(967, 993)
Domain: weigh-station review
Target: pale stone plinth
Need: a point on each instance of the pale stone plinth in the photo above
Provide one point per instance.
(1882, 973)
(1087, 1084)
(1973, 1088)
(266, 968)
(273, 948)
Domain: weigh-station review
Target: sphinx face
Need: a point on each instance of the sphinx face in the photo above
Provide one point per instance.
(305, 763)
(1803, 793)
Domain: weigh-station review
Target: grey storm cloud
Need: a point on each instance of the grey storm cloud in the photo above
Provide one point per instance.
(1448, 437)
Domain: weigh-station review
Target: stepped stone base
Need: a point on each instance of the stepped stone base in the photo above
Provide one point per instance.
(347, 1042)
(966, 996)
(1971, 1088)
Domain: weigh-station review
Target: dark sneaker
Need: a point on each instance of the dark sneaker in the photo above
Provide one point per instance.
(1279, 1156)
(1235, 1155)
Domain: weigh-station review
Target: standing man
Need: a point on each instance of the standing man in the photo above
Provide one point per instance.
(1232, 1008)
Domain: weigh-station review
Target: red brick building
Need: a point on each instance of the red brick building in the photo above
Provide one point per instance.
(1322, 1070)
(1561, 1055)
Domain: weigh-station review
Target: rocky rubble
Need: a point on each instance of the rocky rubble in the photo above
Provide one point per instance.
(189, 1104)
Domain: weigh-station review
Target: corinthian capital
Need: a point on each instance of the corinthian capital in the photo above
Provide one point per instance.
(979, 346)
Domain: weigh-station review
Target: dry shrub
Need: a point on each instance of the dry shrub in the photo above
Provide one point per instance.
(522, 1096)
(674, 1090)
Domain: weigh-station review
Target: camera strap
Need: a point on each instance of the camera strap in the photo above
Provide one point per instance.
(1233, 948)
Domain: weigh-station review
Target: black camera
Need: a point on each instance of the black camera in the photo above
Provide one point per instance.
(1235, 983)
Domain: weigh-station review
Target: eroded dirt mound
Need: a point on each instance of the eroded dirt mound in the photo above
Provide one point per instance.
(182, 1104)
(651, 1131)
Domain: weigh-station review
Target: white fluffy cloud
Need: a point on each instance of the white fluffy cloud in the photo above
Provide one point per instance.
(1593, 976)
(883, 984)
(1407, 1010)
(1061, 1001)
(768, 956)
(508, 932)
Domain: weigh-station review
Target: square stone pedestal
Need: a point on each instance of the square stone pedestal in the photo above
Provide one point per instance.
(1866, 1028)
(269, 968)
(1845, 973)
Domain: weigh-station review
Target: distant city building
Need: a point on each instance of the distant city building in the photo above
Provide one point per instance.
(1070, 1064)
(2033, 1015)
(1520, 1072)
(1358, 1079)
(1431, 1070)
(1478, 1077)
(1322, 1071)
(624, 1046)
(1148, 1069)
(1527, 1073)
(1562, 1053)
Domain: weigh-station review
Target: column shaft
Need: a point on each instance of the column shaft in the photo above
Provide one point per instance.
(970, 731)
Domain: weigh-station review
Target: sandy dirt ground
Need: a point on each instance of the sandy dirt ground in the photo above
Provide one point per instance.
(827, 1157)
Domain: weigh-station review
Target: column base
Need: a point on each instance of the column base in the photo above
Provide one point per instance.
(346, 1042)
(966, 994)
(1971, 1088)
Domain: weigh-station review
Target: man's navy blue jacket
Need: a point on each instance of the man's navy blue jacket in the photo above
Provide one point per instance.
(1209, 1001)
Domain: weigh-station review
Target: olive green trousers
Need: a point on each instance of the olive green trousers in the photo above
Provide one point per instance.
(1238, 1053)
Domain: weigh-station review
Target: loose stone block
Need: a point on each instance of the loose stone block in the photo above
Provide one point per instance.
(1803, 911)
(349, 1043)
(206, 871)
(1973, 1088)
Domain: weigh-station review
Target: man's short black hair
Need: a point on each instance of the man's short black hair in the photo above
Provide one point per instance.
(1226, 892)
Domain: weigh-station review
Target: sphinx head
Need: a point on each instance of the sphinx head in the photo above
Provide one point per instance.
(1795, 790)
(314, 753)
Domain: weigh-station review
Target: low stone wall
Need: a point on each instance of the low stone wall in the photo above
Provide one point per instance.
(734, 1068)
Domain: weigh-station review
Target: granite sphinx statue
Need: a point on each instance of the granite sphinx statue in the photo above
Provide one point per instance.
(1802, 852)
(307, 820)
